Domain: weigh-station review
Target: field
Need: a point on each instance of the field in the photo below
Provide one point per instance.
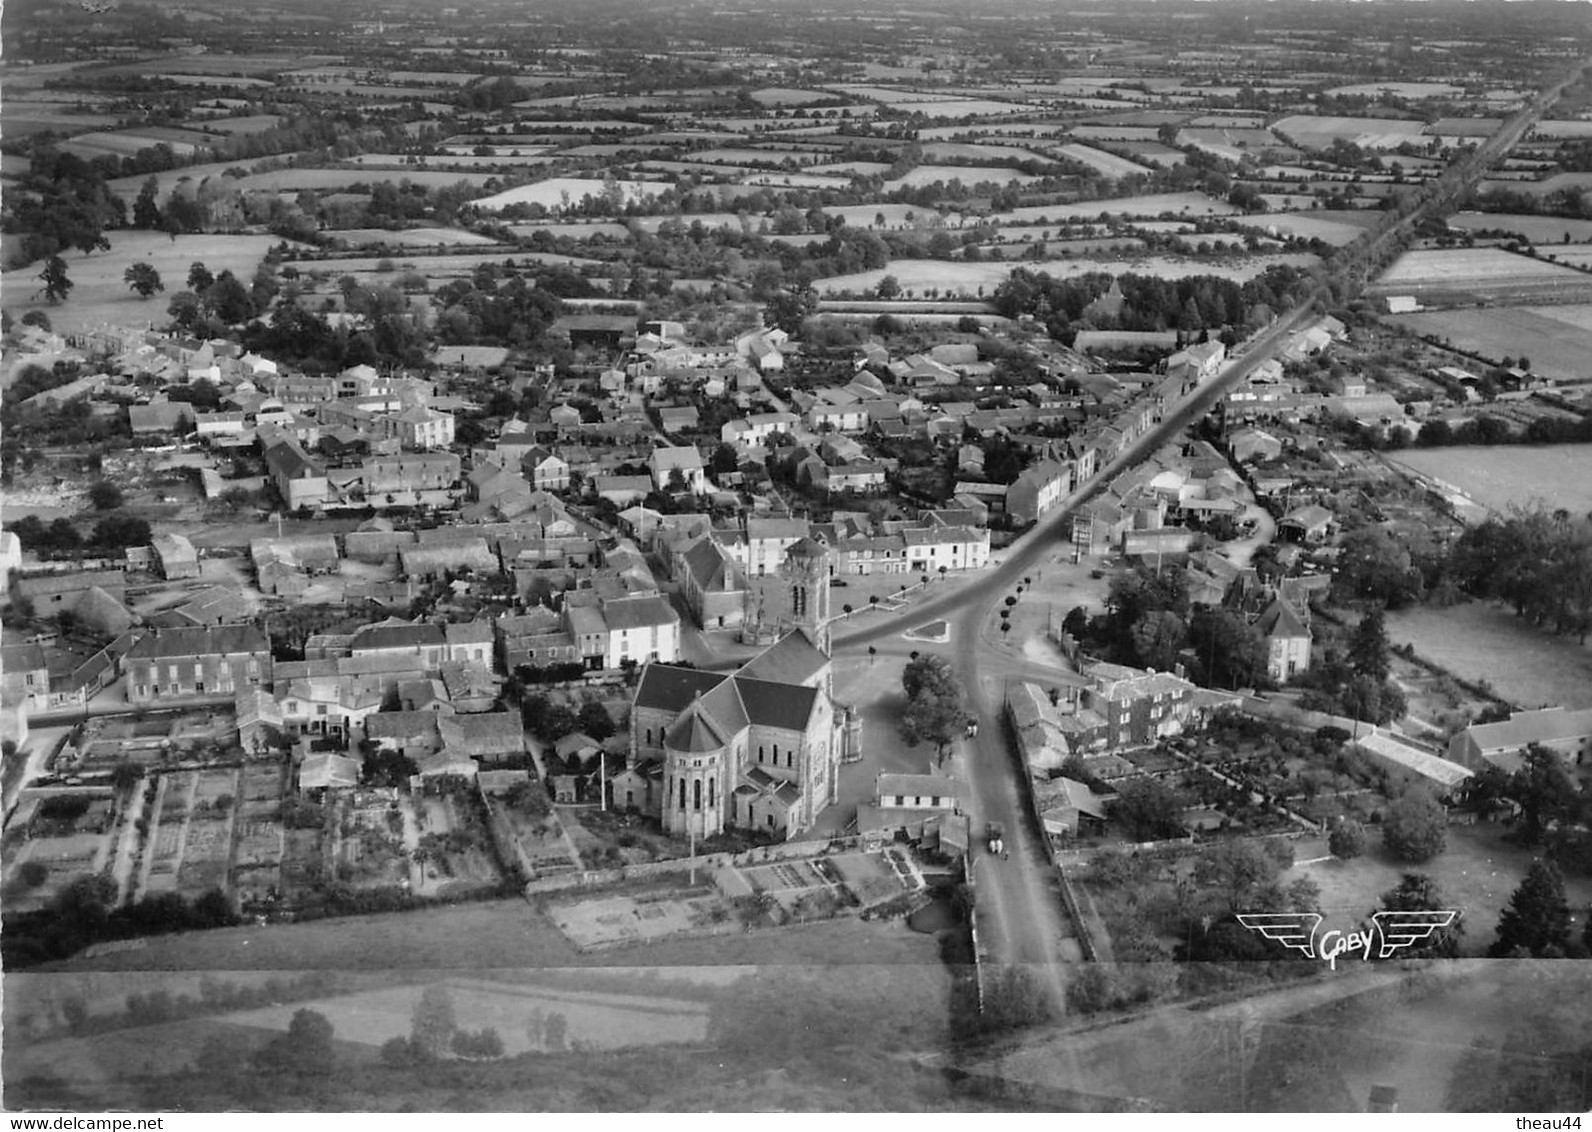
(1153, 205)
(504, 933)
(1314, 132)
(967, 174)
(1560, 475)
(1554, 338)
(1476, 873)
(409, 237)
(551, 194)
(1398, 90)
(1106, 164)
(1307, 226)
(1477, 274)
(1537, 229)
(1481, 641)
(99, 295)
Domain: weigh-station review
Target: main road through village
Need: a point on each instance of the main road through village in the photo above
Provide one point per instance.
(1021, 917)
(1022, 920)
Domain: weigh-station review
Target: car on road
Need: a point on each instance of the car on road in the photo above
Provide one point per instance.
(996, 837)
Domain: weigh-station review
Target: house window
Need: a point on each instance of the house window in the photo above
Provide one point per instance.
(142, 691)
(199, 686)
(760, 756)
(790, 759)
(770, 821)
(776, 754)
(649, 736)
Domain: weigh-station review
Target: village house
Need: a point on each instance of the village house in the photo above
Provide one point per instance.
(1565, 732)
(164, 665)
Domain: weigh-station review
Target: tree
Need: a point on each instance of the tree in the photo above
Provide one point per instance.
(56, 284)
(888, 287)
(1415, 828)
(143, 279)
(1417, 892)
(594, 720)
(432, 1023)
(305, 1048)
(1536, 921)
(1147, 809)
(1239, 870)
(1347, 840)
(1368, 647)
(103, 495)
(1158, 637)
(933, 711)
(199, 278)
(1545, 793)
(33, 873)
(146, 213)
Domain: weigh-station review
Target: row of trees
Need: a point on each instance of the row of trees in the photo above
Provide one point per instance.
(1148, 302)
(1537, 561)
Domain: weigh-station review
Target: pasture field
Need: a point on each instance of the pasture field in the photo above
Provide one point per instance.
(292, 180)
(967, 174)
(507, 156)
(1482, 271)
(789, 96)
(99, 295)
(431, 265)
(249, 124)
(918, 276)
(124, 144)
(550, 194)
(1557, 339)
(410, 237)
(1562, 128)
(1560, 475)
(505, 933)
(605, 229)
(1545, 187)
(1397, 90)
(1312, 131)
(1529, 667)
(748, 156)
(1538, 229)
(853, 168)
(1152, 205)
(796, 180)
(1304, 226)
(1106, 164)
(976, 151)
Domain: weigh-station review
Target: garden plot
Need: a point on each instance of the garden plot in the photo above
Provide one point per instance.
(615, 920)
(370, 846)
(164, 850)
(66, 856)
(455, 845)
(1556, 339)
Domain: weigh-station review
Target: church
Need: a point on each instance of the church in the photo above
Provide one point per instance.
(758, 748)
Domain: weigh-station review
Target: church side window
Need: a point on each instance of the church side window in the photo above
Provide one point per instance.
(798, 601)
(696, 794)
(712, 793)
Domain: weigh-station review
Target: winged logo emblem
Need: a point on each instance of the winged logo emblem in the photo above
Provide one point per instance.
(1404, 929)
(1393, 931)
(1291, 929)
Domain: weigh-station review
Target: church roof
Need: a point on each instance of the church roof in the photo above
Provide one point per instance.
(777, 705)
(673, 688)
(694, 731)
(793, 659)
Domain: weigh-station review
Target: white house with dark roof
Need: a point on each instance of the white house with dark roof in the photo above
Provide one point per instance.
(664, 462)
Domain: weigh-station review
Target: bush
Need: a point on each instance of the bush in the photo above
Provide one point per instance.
(1347, 840)
(33, 873)
(1415, 828)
